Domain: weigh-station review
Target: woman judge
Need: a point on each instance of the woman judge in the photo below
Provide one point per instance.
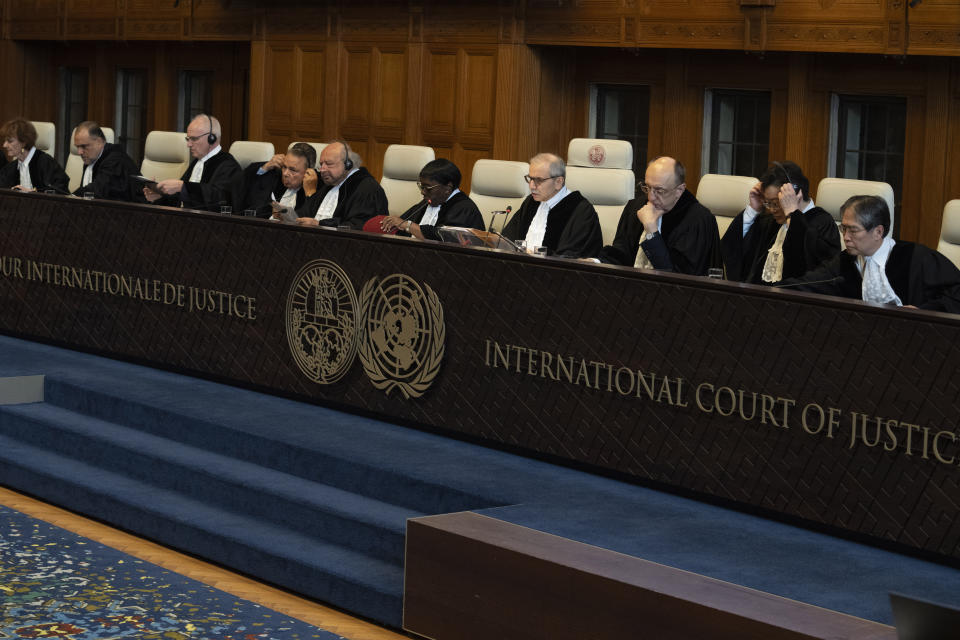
(29, 169)
(443, 204)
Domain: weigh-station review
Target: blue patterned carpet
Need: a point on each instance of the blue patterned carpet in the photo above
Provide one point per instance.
(56, 584)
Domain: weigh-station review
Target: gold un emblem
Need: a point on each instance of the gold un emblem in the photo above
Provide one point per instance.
(399, 337)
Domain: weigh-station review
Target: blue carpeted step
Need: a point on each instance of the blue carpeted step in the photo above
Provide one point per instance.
(342, 577)
(310, 442)
(361, 523)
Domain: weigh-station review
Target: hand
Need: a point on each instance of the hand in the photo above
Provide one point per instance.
(150, 194)
(649, 215)
(170, 187)
(308, 222)
(909, 306)
(391, 223)
(310, 181)
(276, 162)
(789, 199)
(21, 188)
(756, 198)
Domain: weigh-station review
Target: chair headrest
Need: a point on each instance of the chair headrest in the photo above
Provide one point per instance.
(950, 229)
(725, 195)
(600, 154)
(404, 161)
(499, 178)
(601, 188)
(46, 136)
(166, 146)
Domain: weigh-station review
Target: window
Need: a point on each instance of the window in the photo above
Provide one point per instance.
(196, 96)
(73, 107)
(622, 112)
(736, 132)
(868, 141)
(132, 111)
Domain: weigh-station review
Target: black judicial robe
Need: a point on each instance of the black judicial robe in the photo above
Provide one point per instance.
(214, 188)
(573, 228)
(361, 198)
(111, 177)
(458, 211)
(812, 237)
(919, 275)
(256, 191)
(688, 242)
(45, 173)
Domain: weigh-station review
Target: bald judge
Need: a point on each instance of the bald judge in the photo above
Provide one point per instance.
(207, 181)
(667, 228)
(554, 217)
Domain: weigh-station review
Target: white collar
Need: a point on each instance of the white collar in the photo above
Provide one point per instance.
(881, 255)
(212, 153)
(809, 206)
(337, 186)
(557, 197)
(29, 157)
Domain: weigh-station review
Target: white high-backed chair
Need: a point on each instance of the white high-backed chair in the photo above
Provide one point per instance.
(46, 137)
(247, 152)
(401, 170)
(833, 192)
(74, 166)
(318, 146)
(165, 155)
(725, 196)
(496, 185)
(602, 171)
(950, 232)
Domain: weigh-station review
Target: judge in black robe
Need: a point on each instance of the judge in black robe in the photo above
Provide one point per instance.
(811, 235)
(260, 185)
(572, 225)
(220, 169)
(439, 182)
(688, 242)
(918, 275)
(19, 138)
(359, 195)
(107, 164)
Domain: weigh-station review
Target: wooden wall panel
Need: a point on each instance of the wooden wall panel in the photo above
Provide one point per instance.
(440, 71)
(479, 75)
(279, 92)
(311, 69)
(390, 102)
(355, 87)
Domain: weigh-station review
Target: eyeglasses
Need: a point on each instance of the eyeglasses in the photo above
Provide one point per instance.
(190, 139)
(657, 191)
(771, 205)
(424, 188)
(538, 181)
(844, 229)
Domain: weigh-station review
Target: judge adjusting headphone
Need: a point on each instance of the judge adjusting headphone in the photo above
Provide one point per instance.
(796, 187)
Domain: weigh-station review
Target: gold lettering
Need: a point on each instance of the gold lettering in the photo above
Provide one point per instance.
(567, 367)
(891, 442)
(582, 373)
(936, 447)
(633, 381)
(665, 391)
(909, 428)
(733, 401)
(742, 404)
(701, 386)
(532, 362)
(647, 387)
(546, 364)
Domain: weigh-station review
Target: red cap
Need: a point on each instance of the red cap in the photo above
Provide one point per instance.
(373, 225)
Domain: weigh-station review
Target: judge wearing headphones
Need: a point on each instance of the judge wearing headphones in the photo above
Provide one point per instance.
(206, 183)
(349, 195)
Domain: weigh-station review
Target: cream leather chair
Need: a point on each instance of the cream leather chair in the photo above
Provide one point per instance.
(601, 170)
(247, 152)
(725, 196)
(46, 137)
(74, 166)
(496, 185)
(950, 232)
(318, 146)
(165, 155)
(833, 192)
(401, 170)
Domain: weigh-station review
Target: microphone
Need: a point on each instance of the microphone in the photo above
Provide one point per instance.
(499, 213)
(835, 279)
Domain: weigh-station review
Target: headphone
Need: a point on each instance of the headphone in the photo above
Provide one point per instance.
(347, 162)
(796, 187)
(211, 136)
